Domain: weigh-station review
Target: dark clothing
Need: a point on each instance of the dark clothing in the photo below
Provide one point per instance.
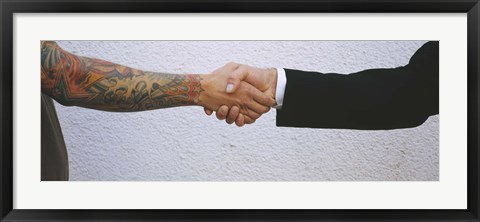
(54, 160)
(371, 99)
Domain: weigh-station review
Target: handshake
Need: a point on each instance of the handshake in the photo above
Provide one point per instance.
(380, 98)
(238, 93)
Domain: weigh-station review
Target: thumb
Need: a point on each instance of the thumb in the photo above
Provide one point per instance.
(234, 79)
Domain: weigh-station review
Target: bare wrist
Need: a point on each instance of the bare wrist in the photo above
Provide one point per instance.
(205, 84)
(272, 72)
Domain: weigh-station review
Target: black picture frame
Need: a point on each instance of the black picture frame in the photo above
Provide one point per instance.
(9, 7)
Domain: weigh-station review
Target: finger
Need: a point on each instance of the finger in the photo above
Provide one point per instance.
(233, 114)
(249, 101)
(208, 111)
(263, 98)
(250, 113)
(222, 112)
(234, 79)
(249, 120)
(257, 108)
(259, 96)
(240, 121)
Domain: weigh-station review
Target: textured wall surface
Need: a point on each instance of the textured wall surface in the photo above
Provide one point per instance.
(183, 144)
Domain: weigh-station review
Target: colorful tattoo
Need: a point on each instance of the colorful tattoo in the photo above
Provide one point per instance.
(99, 84)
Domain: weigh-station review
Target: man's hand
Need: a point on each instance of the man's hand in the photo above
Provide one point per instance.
(245, 99)
(264, 80)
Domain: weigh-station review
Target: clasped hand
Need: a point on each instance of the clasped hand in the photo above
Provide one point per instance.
(238, 93)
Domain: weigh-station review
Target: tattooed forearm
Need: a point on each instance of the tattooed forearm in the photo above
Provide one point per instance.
(99, 84)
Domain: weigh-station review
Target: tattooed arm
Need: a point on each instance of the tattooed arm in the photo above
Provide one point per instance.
(98, 84)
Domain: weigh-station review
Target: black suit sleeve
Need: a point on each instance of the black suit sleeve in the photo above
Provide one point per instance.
(371, 99)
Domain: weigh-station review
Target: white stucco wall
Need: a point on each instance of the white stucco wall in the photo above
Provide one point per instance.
(183, 144)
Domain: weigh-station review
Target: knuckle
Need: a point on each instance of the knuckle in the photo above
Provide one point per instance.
(232, 64)
(241, 68)
(232, 79)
